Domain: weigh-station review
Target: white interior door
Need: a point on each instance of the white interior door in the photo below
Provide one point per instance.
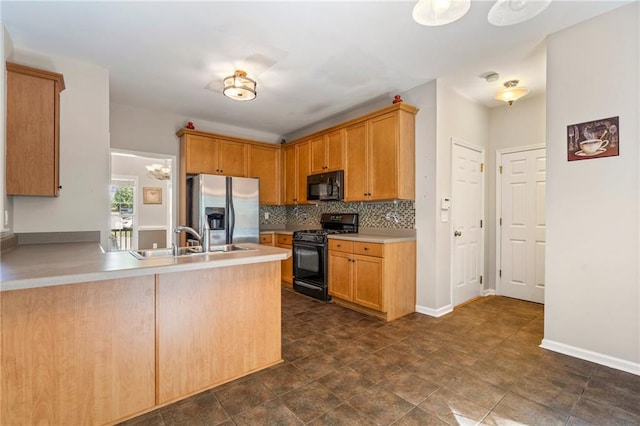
(467, 211)
(523, 186)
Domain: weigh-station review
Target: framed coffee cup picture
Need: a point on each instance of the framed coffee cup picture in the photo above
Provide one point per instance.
(593, 139)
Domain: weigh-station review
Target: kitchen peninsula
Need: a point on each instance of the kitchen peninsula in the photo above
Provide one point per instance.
(95, 338)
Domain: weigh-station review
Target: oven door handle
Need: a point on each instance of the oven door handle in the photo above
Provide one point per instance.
(307, 244)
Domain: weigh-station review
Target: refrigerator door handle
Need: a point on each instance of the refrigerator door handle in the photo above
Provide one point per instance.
(232, 211)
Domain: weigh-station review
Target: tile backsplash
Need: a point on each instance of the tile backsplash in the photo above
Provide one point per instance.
(372, 215)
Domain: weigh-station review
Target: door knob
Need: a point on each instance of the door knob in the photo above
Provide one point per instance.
(457, 233)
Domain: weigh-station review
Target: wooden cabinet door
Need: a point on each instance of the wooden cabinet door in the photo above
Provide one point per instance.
(334, 152)
(318, 154)
(355, 170)
(286, 266)
(303, 154)
(232, 158)
(289, 178)
(202, 154)
(78, 354)
(32, 148)
(383, 157)
(367, 282)
(264, 163)
(340, 274)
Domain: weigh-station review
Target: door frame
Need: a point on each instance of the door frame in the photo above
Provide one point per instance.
(498, 206)
(480, 149)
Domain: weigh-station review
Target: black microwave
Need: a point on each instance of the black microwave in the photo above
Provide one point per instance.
(328, 186)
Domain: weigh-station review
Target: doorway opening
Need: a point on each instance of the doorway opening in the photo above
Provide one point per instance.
(143, 201)
(123, 212)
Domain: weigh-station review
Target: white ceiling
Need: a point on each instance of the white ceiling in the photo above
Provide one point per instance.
(312, 59)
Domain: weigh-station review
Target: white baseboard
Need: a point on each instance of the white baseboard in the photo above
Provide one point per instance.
(488, 292)
(598, 358)
(434, 312)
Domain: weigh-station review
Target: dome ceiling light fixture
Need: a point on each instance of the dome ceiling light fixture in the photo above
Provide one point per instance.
(510, 12)
(511, 93)
(239, 87)
(434, 13)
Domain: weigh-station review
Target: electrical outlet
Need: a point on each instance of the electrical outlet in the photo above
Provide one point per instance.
(155, 245)
(6, 218)
(266, 215)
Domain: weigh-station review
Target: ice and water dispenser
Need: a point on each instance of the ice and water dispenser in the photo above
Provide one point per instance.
(215, 217)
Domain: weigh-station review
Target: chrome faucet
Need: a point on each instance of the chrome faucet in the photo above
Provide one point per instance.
(188, 229)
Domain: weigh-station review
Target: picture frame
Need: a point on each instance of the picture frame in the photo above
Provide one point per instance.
(593, 139)
(151, 195)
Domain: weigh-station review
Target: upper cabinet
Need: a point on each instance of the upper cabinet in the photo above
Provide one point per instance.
(264, 163)
(377, 153)
(209, 153)
(297, 165)
(33, 145)
(391, 156)
(216, 156)
(327, 151)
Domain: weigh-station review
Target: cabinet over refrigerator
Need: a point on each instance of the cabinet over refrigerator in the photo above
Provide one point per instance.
(230, 205)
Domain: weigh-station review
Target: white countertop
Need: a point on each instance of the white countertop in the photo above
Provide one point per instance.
(43, 265)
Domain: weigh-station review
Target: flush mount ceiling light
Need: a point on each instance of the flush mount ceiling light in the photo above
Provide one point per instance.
(159, 171)
(239, 87)
(511, 93)
(510, 12)
(439, 12)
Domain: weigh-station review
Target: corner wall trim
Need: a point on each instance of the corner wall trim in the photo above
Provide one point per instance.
(598, 358)
(488, 292)
(434, 312)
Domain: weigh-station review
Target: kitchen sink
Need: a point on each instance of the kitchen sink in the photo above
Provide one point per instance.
(226, 248)
(187, 251)
(165, 252)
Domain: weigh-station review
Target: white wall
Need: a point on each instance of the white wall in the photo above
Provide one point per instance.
(592, 279)
(84, 153)
(424, 98)
(510, 126)
(144, 130)
(466, 120)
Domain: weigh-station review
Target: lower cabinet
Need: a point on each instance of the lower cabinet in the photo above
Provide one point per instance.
(101, 352)
(377, 279)
(266, 239)
(285, 241)
(210, 328)
(78, 354)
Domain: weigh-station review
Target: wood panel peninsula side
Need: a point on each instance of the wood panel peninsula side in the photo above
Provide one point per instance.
(101, 338)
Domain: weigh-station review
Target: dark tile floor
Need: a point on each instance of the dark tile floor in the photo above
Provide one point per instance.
(478, 365)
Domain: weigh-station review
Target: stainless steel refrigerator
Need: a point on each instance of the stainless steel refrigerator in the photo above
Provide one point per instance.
(230, 204)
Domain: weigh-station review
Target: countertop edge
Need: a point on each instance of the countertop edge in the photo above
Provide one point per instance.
(178, 265)
(366, 238)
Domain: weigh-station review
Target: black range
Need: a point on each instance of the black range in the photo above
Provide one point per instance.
(311, 253)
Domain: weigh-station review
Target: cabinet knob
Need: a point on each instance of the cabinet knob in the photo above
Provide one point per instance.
(366, 248)
(59, 186)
